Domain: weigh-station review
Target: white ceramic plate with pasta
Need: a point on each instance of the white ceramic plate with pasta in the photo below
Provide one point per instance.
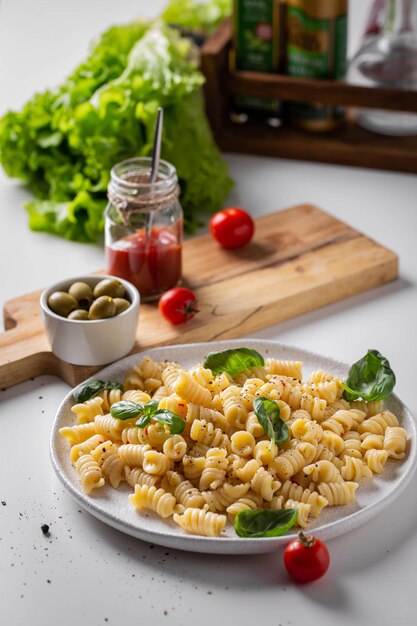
(112, 506)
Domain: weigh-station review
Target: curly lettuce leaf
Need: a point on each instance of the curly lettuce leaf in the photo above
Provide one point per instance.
(64, 143)
(197, 15)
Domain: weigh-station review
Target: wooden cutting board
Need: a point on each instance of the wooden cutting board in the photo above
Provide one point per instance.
(300, 259)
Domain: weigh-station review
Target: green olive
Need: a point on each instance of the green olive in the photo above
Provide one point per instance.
(78, 314)
(61, 303)
(101, 308)
(109, 287)
(82, 293)
(121, 305)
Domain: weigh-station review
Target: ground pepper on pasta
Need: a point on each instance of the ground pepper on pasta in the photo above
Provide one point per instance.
(223, 462)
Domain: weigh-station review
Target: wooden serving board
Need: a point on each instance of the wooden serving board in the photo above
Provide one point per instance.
(300, 259)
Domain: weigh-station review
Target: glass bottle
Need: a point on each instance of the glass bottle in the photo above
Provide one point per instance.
(389, 60)
(144, 226)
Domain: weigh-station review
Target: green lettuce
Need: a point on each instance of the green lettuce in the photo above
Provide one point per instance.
(63, 143)
(197, 15)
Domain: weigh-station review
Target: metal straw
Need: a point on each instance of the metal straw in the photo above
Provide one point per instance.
(156, 155)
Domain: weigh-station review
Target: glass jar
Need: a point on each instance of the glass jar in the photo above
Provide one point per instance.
(144, 226)
(389, 60)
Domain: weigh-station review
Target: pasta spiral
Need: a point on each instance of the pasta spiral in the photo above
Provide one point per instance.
(188, 388)
(234, 407)
(156, 463)
(338, 493)
(289, 463)
(376, 460)
(110, 396)
(201, 522)
(87, 411)
(355, 469)
(136, 476)
(157, 500)
(90, 473)
(322, 471)
(214, 472)
(290, 490)
(303, 511)
(175, 447)
(250, 501)
(107, 457)
(205, 432)
(224, 496)
(378, 423)
(264, 484)
(184, 491)
(395, 441)
(78, 433)
(85, 447)
(293, 369)
(133, 454)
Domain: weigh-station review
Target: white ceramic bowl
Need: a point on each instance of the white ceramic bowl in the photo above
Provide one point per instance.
(91, 342)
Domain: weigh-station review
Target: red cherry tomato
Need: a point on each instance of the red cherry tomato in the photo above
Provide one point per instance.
(232, 227)
(178, 305)
(306, 558)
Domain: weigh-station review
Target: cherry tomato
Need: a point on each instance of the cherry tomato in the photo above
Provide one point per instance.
(306, 558)
(232, 227)
(178, 305)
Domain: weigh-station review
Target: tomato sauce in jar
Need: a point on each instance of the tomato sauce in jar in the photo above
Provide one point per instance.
(152, 264)
(144, 225)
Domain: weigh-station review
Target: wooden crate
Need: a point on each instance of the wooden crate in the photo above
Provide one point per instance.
(349, 144)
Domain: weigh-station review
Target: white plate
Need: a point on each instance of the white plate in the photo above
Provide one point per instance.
(113, 507)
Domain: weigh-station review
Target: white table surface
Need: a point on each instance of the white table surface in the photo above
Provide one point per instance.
(90, 574)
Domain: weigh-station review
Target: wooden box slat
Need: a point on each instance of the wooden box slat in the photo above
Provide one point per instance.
(348, 145)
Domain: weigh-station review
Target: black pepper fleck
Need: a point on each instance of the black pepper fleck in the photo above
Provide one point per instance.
(45, 529)
(3, 502)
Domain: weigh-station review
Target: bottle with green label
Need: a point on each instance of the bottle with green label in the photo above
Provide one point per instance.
(316, 41)
(256, 26)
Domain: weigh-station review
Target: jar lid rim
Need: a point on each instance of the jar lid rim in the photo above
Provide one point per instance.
(165, 168)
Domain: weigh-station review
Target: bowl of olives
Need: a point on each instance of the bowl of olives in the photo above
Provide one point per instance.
(91, 320)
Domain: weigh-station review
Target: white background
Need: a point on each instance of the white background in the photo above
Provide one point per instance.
(97, 573)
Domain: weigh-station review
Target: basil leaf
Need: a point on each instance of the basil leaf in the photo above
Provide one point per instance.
(92, 387)
(132, 409)
(143, 421)
(151, 407)
(233, 361)
(371, 378)
(126, 410)
(264, 522)
(175, 422)
(268, 414)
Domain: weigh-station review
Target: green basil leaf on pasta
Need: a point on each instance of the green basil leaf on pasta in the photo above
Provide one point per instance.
(91, 388)
(268, 414)
(126, 409)
(371, 378)
(175, 422)
(264, 522)
(143, 421)
(151, 407)
(233, 361)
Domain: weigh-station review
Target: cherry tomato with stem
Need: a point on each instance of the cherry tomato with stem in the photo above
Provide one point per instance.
(178, 305)
(306, 558)
(232, 227)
